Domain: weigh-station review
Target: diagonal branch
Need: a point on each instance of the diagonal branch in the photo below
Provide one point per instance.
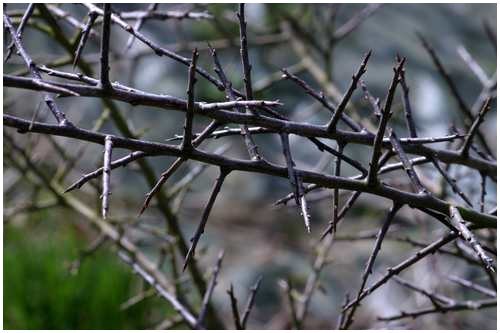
(474, 129)
(384, 119)
(332, 124)
(138, 25)
(407, 165)
(85, 35)
(250, 302)
(454, 90)
(49, 100)
(371, 260)
(209, 292)
(24, 21)
(204, 218)
(457, 221)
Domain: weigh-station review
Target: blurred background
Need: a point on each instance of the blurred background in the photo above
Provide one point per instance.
(41, 241)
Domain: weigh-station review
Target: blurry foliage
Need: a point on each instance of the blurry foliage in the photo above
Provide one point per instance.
(40, 292)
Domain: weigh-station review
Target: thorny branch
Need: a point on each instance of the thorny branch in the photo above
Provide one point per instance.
(256, 117)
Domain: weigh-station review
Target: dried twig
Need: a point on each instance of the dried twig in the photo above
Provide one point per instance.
(104, 59)
(204, 218)
(24, 20)
(85, 34)
(210, 290)
(369, 264)
(457, 221)
(106, 175)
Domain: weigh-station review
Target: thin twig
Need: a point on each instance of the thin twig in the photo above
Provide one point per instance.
(204, 218)
(474, 129)
(188, 125)
(332, 124)
(250, 302)
(106, 175)
(408, 167)
(209, 292)
(457, 221)
(252, 148)
(85, 35)
(247, 68)
(138, 25)
(473, 286)
(24, 20)
(384, 119)
(371, 260)
(234, 308)
(58, 114)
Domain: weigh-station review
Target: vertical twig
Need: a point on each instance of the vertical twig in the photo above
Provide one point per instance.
(483, 192)
(285, 144)
(106, 175)
(104, 59)
(247, 68)
(410, 122)
(341, 146)
(188, 125)
(234, 308)
(252, 148)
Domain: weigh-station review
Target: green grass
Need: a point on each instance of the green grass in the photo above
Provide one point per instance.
(40, 293)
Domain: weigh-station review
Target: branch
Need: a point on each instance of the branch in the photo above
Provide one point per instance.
(188, 125)
(85, 34)
(457, 221)
(479, 219)
(408, 167)
(469, 305)
(384, 119)
(24, 21)
(473, 286)
(371, 260)
(138, 25)
(454, 90)
(210, 290)
(247, 68)
(234, 308)
(108, 146)
(309, 131)
(58, 114)
(474, 129)
(106, 29)
(250, 302)
(249, 143)
(204, 218)
(355, 22)
(332, 124)
(410, 122)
